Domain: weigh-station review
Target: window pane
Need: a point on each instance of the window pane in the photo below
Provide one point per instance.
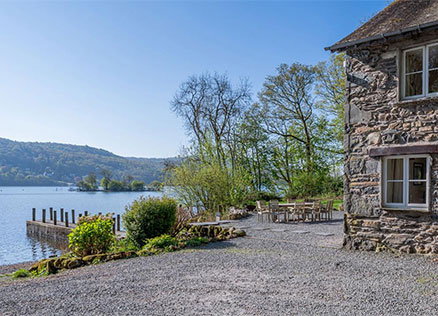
(433, 57)
(433, 81)
(417, 192)
(395, 169)
(414, 84)
(417, 168)
(394, 192)
(414, 60)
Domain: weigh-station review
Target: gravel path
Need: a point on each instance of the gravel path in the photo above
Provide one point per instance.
(286, 269)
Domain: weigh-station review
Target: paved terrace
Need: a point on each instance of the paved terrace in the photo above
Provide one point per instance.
(278, 269)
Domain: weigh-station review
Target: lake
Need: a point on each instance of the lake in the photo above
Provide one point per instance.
(16, 205)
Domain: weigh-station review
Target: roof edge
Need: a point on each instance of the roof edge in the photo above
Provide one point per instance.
(420, 27)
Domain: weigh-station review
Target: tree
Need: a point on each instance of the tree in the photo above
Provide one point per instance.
(211, 176)
(155, 185)
(331, 92)
(91, 180)
(211, 108)
(289, 94)
(89, 183)
(137, 185)
(116, 186)
(106, 178)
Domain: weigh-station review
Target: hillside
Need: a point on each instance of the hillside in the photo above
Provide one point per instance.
(31, 163)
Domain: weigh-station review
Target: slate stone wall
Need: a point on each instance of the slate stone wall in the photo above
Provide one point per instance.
(375, 117)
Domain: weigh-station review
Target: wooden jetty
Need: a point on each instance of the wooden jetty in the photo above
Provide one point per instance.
(55, 228)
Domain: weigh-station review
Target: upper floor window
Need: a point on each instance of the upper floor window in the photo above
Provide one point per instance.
(406, 181)
(420, 72)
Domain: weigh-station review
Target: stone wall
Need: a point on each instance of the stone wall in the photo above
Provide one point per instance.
(375, 117)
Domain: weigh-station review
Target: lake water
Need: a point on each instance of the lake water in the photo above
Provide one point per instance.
(16, 205)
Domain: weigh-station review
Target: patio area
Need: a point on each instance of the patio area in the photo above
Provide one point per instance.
(277, 269)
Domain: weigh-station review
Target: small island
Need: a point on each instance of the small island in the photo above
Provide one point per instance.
(107, 184)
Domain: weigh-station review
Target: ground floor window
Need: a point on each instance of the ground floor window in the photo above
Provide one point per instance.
(406, 181)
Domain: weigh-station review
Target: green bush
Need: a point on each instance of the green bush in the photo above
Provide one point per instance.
(148, 218)
(22, 273)
(124, 245)
(93, 235)
(161, 242)
(196, 241)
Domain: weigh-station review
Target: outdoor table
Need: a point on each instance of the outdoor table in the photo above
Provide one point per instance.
(307, 206)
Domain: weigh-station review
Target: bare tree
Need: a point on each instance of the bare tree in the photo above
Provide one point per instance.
(211, 108)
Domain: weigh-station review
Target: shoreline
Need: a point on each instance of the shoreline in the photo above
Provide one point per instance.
(9, 268)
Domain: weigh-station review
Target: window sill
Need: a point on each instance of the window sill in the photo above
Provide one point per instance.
(421, 210)
(415, 101)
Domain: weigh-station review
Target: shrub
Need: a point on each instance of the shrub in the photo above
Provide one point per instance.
(22, 273)
(148, 218)
(124, 245)
(93, 235)
(183, 216)
(196, 241)
(161, 242)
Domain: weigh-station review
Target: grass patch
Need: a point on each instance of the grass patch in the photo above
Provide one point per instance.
(22, 273)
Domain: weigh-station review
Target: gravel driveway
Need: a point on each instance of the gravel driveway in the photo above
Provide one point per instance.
(278, 269)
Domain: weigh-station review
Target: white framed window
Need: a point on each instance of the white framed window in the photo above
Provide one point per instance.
(406, 182)
(420, 72)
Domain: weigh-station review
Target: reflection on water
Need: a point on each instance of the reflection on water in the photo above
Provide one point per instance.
(42, 249)
(16, 205)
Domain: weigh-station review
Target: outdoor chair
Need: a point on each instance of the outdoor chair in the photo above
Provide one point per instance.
(262, 209)
(328, 210)
(316, 210)
(274, 210)
(299, 211)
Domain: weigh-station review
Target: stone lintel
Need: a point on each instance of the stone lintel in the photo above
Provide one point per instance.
(404, 150)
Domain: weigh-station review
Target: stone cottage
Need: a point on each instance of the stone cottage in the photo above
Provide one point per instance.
(391, 130)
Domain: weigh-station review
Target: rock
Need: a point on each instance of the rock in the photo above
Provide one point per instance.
(73, 263)
(239, 233)
(397, 240)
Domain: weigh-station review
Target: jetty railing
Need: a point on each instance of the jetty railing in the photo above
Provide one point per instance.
(57, 227)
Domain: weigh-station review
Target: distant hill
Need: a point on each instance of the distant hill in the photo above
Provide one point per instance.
(33, 163)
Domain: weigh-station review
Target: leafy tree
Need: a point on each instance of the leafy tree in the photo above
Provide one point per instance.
(137, 185)
(116, 186)
(155, 185)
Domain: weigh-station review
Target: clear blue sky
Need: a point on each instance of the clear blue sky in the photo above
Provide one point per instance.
(102, 73)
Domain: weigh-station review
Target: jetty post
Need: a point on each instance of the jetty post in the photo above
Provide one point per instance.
(33, 214)
(66, 219)
(43, 215)
(118, 222)
(51, 213)
(54, 217)
(73, 220)
(61, 215)
(114, 225)
(85, 213)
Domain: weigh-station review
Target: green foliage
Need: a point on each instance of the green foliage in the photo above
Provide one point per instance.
(165, 242)
(104, 183)
(124, 245)
(93, 235)
(208, 186)
(288, 142)
(149, 217)
(26, 163)
(196, 241)
(116, 186)
(137, 185)
(22, 273)
(155, 185)
(89, 183)
(266, 196)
